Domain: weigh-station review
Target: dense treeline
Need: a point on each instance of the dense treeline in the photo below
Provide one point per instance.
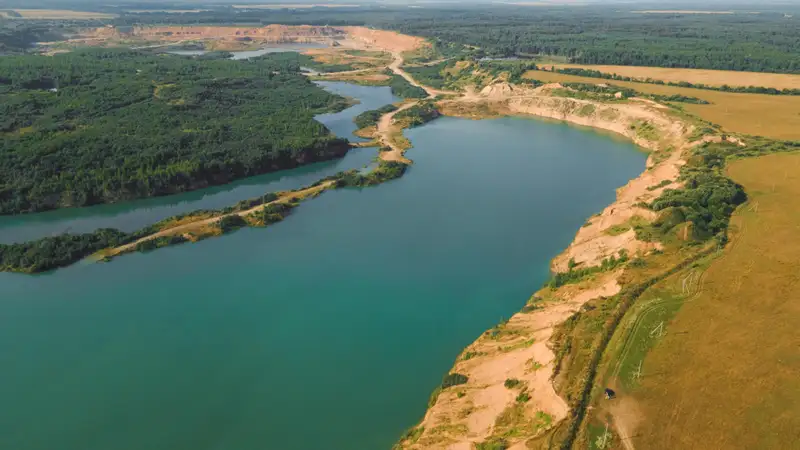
(403, 89)
(419, 114)
(101, 126)
(444, 74)
(764, 42)
(706, 200)
(57, 251)
(514, 68)
(610, 90)
(432, 75)
(724, 88)
(370, 118)
(19, 37)
(387, 170)
(767, 42)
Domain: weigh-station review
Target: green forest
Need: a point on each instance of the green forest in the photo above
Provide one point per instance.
(752, 42)
(403, 89)
(100, 126)
(17, 37)
(768, 41)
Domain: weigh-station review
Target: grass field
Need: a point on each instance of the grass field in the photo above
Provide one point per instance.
(774, 116)
(695, 76)
(725, 372)
(61, 14)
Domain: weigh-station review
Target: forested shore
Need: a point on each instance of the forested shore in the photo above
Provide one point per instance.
(102, 126)
(53, 252)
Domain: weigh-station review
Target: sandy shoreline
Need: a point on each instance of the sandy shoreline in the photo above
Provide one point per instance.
(519, 349)
(474, 412)
(463, 416)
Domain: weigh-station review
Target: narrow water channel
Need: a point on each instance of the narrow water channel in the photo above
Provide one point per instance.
(326, 331)
(245, 54)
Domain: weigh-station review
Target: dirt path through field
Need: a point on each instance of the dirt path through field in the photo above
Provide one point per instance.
(396, 67)
(387, 133)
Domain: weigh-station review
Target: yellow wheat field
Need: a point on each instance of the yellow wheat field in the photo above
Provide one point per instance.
(694, 76)
(774, 116)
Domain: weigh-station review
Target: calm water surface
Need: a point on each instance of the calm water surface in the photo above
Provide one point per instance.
(326, 331)
(253, 53)
(131, 216)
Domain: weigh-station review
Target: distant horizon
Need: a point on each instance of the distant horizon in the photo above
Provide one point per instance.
(638, 5)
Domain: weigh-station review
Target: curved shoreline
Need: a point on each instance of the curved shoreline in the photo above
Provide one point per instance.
(385, 132)
(485, 406)
(520, 349)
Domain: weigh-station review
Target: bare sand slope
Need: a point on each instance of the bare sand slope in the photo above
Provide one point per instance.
(466, 415)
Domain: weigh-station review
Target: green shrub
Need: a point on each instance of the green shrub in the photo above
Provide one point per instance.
(371, 117)
(574, 275)
(419, 114)
(707, 198)
(412, 435)
(231, 222)
(403, 89)
(453, 379)
(161, 241)
(57, 251)
(386, 170)
(492, 444)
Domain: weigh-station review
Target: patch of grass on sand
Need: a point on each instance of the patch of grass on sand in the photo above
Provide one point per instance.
(775, 116)
(645, 130)
(469, 355)
(412, 435)
(516, 421)
(633, 222)
(492, 444)
(586, 110)
(519, 345)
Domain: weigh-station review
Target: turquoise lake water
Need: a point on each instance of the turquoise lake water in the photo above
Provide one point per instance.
(328, 330)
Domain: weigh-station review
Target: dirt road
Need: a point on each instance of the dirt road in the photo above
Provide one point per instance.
(180, 229)
(385, 129)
